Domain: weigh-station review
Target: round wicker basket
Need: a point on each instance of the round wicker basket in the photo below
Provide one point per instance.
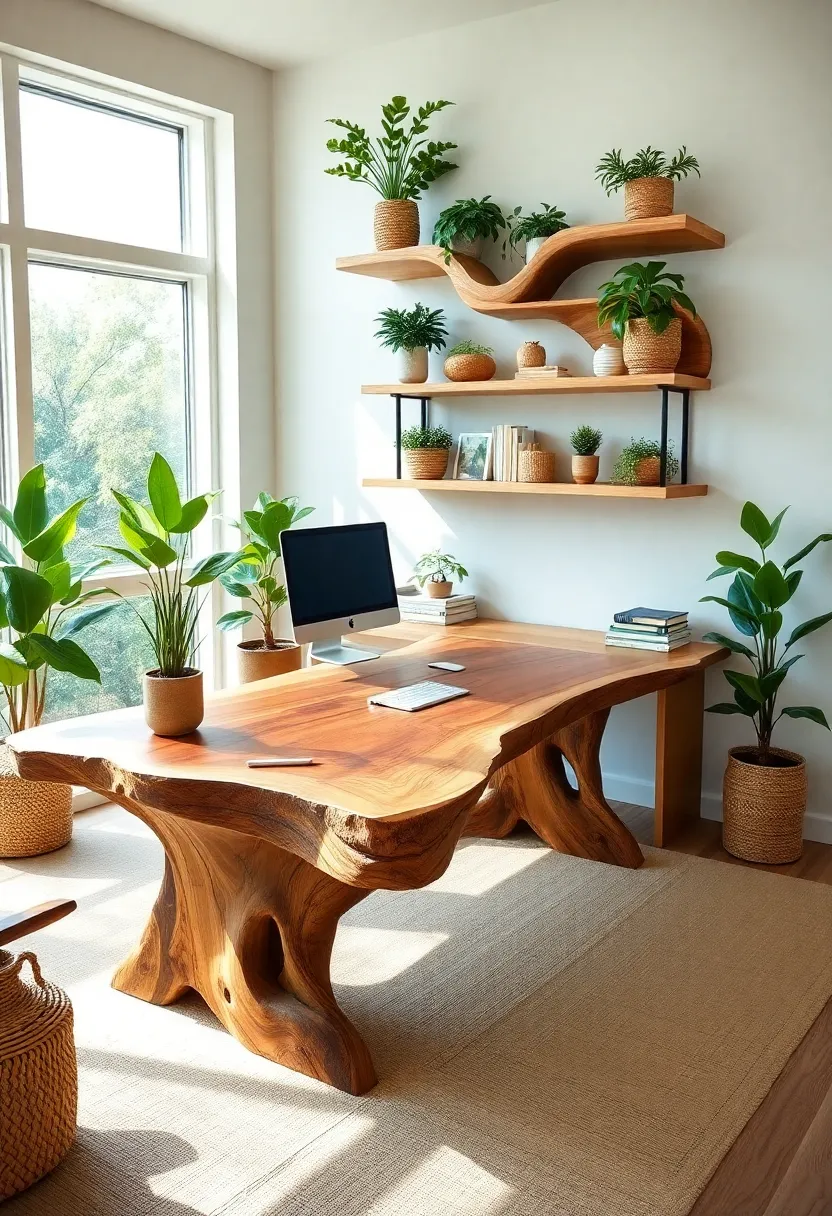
(531, 354)
(426, 464)
(470, 367)
(396, 223)
(647, 198)
(534, 465)
(647, 353)
(35, 816)
(38, 1075)
(648, 471)
(763, 807)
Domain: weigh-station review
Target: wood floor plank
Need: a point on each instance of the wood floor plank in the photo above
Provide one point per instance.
(807, 1185)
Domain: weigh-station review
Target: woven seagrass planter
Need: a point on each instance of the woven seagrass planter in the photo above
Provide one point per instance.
(256, 662)
(763, 806)
(173, 707)
(648, 198)
(426, 464)
(531, 354)
(647, 353)
(648, 471)
(396, 223)
(533, 464)
(38, 1075)
(585, 469)
(35, 816)
(470, 367)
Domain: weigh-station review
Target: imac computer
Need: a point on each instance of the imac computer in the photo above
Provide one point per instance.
(339, 581)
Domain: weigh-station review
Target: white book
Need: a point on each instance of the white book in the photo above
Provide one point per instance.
(627, 644)
(435, 607)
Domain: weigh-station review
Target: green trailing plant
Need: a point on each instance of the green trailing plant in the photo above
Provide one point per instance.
(468, 219)
(426, 437)
(467, 347)
(157, 537)
(759, 591)
(438, 567)
(613, 171)
(625, 468)
(398, 164)
(407, 329)
(640, 290)
(39, 598)
(254, 578)
(536, 224)
(585, 440)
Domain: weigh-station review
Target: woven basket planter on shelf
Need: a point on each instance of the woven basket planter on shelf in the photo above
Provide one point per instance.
(648, 471)
(763, 806)
(647, 353)
(38, 1075)
(535, 465)
(470, 367)
(585, 469)
(531, 354)
(35, 816)
(648, 198)
(426, 464)
(396, 223)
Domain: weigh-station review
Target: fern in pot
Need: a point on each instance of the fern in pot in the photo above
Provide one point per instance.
(411, 333)
(466, 225)
(764, 790)
(534, 228)
(647, 179)
(640, 305)
(425, 450)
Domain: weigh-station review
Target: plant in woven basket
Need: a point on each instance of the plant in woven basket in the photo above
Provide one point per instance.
(410, 328)
(534, 226)
(626, 469)
(468, 219)
(640, 290)
(759, 591)
(585, 440)
(470, 348)
(398, 164)
(613, 171)
(417, 437)
(438, 567)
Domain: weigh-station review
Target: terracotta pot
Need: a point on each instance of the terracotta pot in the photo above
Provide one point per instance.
(438, 591)
(35, 816)
(763, 806)
(396, 223)
(584, 469)
(647, 353)
(426, 464)
(173, 707)
(413, 365)
(256, 662)
(648, 471)
(470, 367)
(648, 198)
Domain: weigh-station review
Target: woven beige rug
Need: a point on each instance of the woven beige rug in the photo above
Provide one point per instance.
(555, 1038)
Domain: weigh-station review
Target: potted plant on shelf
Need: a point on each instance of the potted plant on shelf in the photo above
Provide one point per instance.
(157, 539)
(254, 579)
(764, 790)
(470, 361)
(639, 464)
(411, 333)
(425, 450)
(534, 228)
(398, 165)
(465, 225)
(431, 573)
(638, 302)
(647, 179)
(39, 599)
(585, 440)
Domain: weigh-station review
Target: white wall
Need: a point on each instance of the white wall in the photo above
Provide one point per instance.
(540, 96)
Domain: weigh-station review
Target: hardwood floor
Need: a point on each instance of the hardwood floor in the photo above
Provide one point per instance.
(781, 1164)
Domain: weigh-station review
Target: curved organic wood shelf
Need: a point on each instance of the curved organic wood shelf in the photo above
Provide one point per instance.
(598, 490)
(539, 387)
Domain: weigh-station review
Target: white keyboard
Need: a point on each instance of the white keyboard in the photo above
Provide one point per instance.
(417, 696)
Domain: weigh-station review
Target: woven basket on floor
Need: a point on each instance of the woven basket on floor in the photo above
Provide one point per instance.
(426, 464)
(763, 807)
(35, 816)
(647, 198)
(647, 353)
(38, 1075)
(535, 465)
(396, 223)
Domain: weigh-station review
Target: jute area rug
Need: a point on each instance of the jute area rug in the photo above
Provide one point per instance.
(555, 1037)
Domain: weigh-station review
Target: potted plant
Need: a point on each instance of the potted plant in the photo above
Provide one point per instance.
(585, 440)
(157, 537)
(411, 333)
(764, 790)
(462, 227)
(425, 450)
(431, 573)
(534, 228)
(254, 579)
(638, 301)
(39, 598)
(397, 165)
(647, 179)
(639, 464)
(470, 361)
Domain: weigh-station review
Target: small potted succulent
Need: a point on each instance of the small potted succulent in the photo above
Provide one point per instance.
(638, 303)
(764, 790)
(411, 333)
(425, 450)
(470, 361)
(585, 440)
(398, 165)
(639, 464)
(255, 579)
(534, 228)
(466, 224)
(647, 179)
(432, 573)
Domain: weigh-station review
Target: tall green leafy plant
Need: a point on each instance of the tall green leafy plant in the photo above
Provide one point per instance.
(398, 164)
(759, 591)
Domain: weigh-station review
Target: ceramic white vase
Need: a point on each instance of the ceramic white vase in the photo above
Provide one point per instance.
(608, 360)
(413, 365)
(473, 249)
(533, 243)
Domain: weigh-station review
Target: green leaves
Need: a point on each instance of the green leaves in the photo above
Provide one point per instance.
(817, 622)
(720, 639)
(749, 685)
(57, 534)
(770, 586)
(806, 550)
(729, 707)
(81, 620)
(30, 513)
(613, 171)
(806, 711)
(755, 524)
(234, 620)
(398, 164)
(163, 493)
(193, 512)
(65, 655)
(14, 669)
(28, 597)
(736, 561)
(211, 568)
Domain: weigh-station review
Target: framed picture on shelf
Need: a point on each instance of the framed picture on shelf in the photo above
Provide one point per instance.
(473, 460)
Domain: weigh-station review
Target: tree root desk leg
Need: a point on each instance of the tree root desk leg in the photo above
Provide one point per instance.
(534, 788)
(250, 928)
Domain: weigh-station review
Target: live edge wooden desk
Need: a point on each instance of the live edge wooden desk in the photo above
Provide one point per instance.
(261, 863)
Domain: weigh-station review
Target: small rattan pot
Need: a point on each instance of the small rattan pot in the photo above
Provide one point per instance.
(35, 816)
(470, 367)
(426, 464)
(38, 1075)
(257, 662)
(648, 471)
(763, 806)
(531, 354)
(648, 198)
(647, 353)
(438, 591)
(396, 223)
(585, 469)
(173, 706)
(535, 465)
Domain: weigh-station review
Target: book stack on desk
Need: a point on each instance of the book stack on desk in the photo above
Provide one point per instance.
(452, 611)
(649, 629)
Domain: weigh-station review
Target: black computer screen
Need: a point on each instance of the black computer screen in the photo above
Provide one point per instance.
(337, 572)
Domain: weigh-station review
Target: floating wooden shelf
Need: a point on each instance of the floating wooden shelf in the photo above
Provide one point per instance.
(599, 490)
(532, 387)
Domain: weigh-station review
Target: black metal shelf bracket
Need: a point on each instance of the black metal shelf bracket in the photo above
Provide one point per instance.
(666, 390)
(398, 398)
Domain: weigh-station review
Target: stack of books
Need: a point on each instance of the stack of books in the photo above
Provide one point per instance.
(550, 371)
(649, 629)
(451, 611)
(505, 446)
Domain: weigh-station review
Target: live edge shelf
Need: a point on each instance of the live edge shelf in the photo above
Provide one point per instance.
(599, 490)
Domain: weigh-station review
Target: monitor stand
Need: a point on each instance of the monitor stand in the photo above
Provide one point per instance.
(331, 650)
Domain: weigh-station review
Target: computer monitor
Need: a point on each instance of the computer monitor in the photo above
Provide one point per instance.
(339, 581)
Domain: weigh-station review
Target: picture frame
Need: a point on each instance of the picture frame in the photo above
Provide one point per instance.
(474, 456)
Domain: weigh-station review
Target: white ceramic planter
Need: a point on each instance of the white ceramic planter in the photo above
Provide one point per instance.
(532, 245)
(413, 365)
(608, 360)
(473, 249)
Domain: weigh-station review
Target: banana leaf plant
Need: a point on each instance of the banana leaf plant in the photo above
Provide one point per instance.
(759, 590)
(39, 598)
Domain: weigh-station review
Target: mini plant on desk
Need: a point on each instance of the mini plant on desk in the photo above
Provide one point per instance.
(425, 450)
(411, 333)
(647, 179)
(638, 302)
(432, 573)
(640, 464)
(466, 224)
(469, 361)
(534, 228)
(585, 440)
